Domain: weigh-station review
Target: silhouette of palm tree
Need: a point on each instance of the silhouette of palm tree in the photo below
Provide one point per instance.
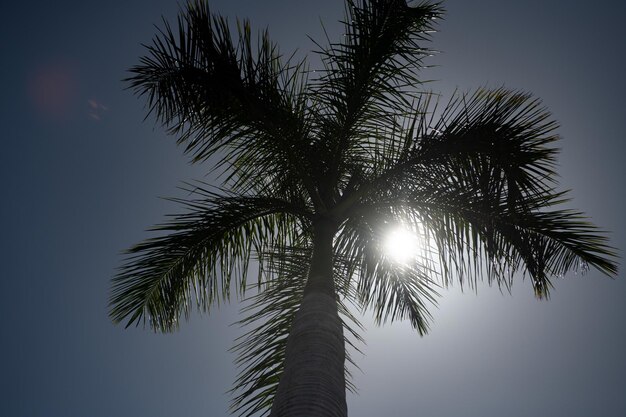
(316, 168)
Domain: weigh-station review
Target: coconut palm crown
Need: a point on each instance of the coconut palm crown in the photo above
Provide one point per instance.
(317, 166)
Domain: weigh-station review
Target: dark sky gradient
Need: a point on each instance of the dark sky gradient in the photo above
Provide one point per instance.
(81, 174)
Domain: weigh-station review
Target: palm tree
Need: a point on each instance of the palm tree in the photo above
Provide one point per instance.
(317, 166)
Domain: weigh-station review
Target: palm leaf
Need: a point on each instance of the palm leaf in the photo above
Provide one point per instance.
(216, 94)
(480, 175)
(198, 257)
(393, 291)
(369, 78)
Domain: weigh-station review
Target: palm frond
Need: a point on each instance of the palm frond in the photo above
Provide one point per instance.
(495, 141)
(368, 76)
(202, 251)
(492, 156)
(234, 95)
(481, 175)
(393, 291)
(474, 239)
(381, 50)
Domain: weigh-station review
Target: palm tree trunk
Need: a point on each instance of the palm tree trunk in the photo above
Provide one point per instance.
(313, 381)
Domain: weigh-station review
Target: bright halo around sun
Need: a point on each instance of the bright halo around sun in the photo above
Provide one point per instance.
(402, 245)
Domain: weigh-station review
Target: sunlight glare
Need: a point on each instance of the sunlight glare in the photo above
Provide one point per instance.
(401, 245)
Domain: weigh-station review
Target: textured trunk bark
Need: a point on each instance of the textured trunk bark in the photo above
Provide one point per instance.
(313, 380)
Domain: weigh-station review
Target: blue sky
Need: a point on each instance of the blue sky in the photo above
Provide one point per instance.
(82, 173)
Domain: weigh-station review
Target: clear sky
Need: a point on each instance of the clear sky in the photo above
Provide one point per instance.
(81, 176)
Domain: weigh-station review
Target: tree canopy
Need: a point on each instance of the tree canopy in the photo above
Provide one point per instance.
(359, 143)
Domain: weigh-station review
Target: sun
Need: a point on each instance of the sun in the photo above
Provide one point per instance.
(401, 245)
